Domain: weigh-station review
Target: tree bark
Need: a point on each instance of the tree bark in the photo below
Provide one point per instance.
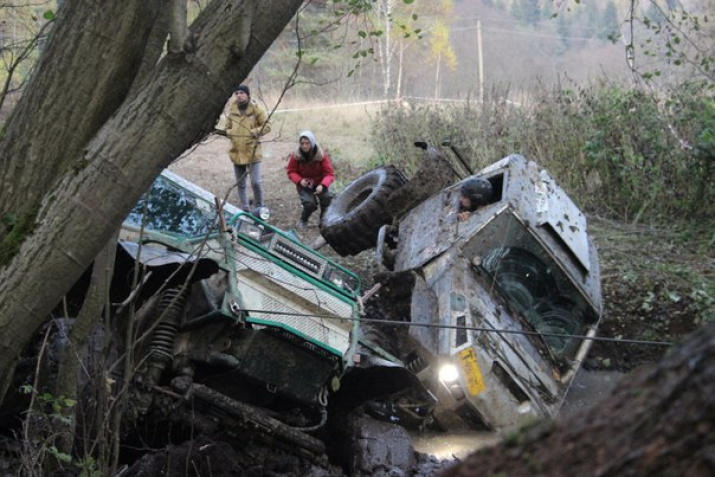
(117, 161)
(83, 76)
(70, 366)
(659, 421)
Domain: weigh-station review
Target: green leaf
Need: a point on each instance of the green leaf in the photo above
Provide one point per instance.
(409, 2)
(49, 15)
(362, 34)
(674, 296)
(414, 16)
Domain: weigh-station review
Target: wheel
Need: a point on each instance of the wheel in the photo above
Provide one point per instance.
(353, 220)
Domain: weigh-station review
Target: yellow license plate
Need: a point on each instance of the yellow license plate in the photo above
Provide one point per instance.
(472, 373)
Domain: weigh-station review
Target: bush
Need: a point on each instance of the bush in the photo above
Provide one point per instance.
(621, 152)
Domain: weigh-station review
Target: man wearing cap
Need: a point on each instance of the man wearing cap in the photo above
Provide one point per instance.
(309, 168)
(474, 193)
(247, 121)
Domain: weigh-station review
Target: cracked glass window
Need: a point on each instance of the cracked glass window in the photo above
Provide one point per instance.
(170, 208)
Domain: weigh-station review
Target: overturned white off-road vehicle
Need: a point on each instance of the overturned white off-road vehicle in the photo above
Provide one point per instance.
(493, 313)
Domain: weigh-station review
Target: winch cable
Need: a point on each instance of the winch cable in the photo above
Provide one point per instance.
(467, 328)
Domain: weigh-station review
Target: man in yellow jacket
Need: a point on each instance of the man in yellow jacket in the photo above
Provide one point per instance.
(247, 121)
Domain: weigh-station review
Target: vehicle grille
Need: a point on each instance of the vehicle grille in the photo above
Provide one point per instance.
(276, 295)
(298, 257)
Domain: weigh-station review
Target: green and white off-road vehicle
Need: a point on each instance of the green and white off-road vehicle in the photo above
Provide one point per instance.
(239, 324)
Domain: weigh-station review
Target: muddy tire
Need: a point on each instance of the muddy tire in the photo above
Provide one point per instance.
(353, 220)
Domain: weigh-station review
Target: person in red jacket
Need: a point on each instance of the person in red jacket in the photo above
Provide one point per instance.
(309, 168)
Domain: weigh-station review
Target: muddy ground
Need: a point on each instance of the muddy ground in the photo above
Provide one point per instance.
(657, 287)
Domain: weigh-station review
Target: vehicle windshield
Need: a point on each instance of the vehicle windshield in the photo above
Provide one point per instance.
(530, 280)
(172, 209)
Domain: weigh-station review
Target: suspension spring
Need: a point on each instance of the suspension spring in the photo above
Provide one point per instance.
(161, 346)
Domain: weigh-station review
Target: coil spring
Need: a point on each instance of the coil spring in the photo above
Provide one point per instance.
(161, 345)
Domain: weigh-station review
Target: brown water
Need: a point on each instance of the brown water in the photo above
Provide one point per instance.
(588, 388)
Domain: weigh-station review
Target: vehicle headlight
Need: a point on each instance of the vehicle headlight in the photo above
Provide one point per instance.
(448, 373)
(262, 213)
(339, 278)
(250, 229)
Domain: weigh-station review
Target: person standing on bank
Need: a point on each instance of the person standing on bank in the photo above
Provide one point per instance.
(309, 168)
(247, 121)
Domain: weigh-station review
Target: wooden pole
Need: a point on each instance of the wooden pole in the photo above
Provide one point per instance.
(481, 61)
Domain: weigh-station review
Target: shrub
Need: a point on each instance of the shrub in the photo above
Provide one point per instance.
(621, 152)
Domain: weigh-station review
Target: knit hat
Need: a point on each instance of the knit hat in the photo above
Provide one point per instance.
(479, 191)
(243, 88)
(309, 136)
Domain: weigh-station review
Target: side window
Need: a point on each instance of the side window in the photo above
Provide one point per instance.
(168, 208)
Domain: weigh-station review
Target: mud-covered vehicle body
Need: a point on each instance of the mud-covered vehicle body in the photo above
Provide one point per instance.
(238, 314)
(495, 304)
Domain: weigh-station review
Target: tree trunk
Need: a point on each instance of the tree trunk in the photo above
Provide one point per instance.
(70, 366)
(436, 76)
(83, 76)
(400, 68)
(385, 9)
(118, 161)
(659, 421)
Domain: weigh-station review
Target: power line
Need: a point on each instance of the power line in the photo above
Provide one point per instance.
(468, 328)
(527, 33)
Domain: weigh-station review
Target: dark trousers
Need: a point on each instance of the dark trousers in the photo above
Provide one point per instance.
(310, 201)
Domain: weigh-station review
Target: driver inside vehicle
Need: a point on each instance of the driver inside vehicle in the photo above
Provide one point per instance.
(474, 193)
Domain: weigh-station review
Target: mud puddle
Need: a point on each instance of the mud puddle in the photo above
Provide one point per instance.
(588, 388)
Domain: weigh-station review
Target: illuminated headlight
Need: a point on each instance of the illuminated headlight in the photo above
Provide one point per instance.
(448, 373)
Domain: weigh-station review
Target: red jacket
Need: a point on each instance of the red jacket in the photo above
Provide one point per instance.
(319, 170)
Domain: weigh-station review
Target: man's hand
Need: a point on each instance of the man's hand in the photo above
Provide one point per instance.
(462, 216)
(220, 132)
(319, 190)
(304, 183)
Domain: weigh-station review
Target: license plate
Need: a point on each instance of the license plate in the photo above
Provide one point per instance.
(472, 373)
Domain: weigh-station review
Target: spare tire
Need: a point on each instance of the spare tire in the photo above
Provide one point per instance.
(354, 218)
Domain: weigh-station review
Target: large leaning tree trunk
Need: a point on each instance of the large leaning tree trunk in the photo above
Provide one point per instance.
(660, 421)
(84, 143)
